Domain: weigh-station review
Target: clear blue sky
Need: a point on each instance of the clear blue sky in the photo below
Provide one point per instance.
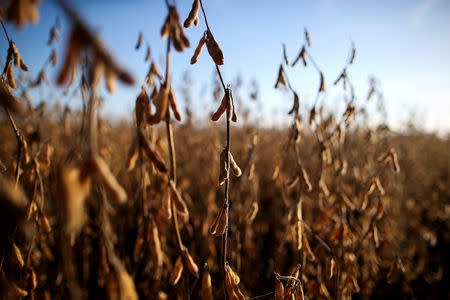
(404, 43)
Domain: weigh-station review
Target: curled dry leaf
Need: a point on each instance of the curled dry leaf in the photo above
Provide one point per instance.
(214, 49)
(193, 14)
(198, 50)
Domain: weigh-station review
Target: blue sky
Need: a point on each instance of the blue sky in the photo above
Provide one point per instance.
(405, 44)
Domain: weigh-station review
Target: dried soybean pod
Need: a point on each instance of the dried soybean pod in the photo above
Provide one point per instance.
(155, 244)
(196, 21)
(223, 174)
(72, 57)
(206, 285)
(161, 105)
(307, 37)
(295, 108)
(222, 224)
(180, 204)
(139, 41)
(332, 267)
(109, 180)
(10, 76)
(222, 108)
(110, 77)
(142, 107)
(233, 110)
(23, 66)
(148, 54)
(132, 156)
(229, 285)
(252, 212)
(173, 105)
(198, 50)
(281, 79)
(213, 228)
(234, 276)
(305, 179)
(299, 295)
(7, 98)
(18, 255)
(151, 154)
(234, 166)
(167, 203)
(394, 161)
(301, 55)
(193, 14)
(154, 70)
(165, 27)
(293, 180)
(192, 266)
(139, 242)
(214, 49)
(352, 56)
(286, 60)
(322, 87)
(299, 228)
(308, 250)
(380, 210)
(279, 289)
(176, 272)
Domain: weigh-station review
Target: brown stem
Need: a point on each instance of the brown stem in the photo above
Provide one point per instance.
(19, 144)
(227, 183)
(173, 169)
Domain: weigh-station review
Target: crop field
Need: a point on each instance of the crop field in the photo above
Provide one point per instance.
(164, 206)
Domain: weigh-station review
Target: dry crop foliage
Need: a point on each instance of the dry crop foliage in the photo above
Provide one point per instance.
(316, 211)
